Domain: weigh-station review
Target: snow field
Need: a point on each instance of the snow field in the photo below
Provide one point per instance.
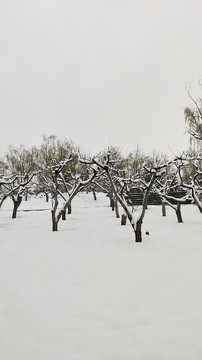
(89, 292)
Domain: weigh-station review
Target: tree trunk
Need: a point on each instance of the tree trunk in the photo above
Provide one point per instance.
(123, 219)
(64, 215)
(116, 209)
(200, 208)
(54, 222)
(138, 231)
(94, 195)
(163, 208)
(112, 203)
(47, 197)
(178, 213)
(16, 206)
(69, 208)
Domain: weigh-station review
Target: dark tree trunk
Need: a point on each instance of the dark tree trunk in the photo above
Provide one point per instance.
(54, 222)
(64, 215)
(112, 203)
(200, 208)
(16, 206)
(47, 197)
(178, 213)
(116, 209)
(15, 209)
(94, 195)
(163, 208)
(55, 226)
(69, 208)
(123, 219)
(138, 231)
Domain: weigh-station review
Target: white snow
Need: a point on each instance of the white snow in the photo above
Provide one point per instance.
(89, 292)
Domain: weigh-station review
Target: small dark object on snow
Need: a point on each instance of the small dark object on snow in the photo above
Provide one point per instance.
(147, 232)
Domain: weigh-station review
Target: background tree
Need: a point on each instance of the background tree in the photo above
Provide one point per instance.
(193, 120)
(194, 184)
(20, 160)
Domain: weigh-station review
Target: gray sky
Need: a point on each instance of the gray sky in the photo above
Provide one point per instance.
(98, 72)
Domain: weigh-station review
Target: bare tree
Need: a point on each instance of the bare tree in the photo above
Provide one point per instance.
(57, 180)
(14, 187)
(153, 172)
(194, 186)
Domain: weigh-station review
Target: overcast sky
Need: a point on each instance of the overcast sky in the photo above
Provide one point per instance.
(98, 72)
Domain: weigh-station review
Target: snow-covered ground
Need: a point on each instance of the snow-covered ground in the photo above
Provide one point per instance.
(89, 292)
